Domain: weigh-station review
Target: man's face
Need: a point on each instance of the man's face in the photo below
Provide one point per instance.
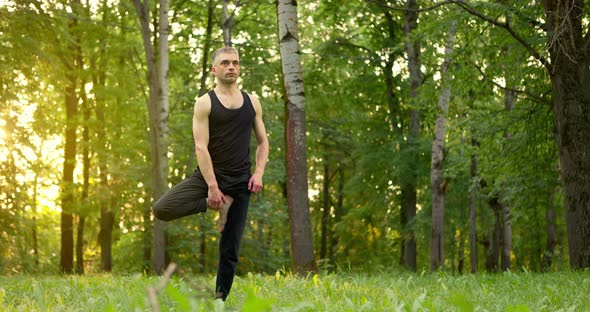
(227, 68)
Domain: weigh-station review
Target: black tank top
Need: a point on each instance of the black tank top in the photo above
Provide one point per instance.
(230, 131)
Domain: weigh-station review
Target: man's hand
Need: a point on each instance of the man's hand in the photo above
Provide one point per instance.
(255, 183)
(215, 198)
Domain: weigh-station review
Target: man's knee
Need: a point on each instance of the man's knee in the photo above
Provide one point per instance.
(162, 212)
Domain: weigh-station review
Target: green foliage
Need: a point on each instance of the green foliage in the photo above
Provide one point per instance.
(346, 47)
(565, 291)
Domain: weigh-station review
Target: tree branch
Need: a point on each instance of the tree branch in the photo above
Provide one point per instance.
(485, 77)
(430, 8)
(471, 10)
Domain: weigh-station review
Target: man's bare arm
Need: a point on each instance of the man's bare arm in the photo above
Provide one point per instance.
(262, 149)
(201, 136)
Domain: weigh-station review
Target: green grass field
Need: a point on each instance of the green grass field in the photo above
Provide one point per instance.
(564, 291)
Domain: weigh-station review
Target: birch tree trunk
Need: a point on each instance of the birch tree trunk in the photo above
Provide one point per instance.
(161, 136)
(297, 189)
(158, 111)
(437, 237)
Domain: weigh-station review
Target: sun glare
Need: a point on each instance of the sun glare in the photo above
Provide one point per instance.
(37, 158)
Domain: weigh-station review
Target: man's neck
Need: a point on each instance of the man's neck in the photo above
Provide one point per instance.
(231, 89)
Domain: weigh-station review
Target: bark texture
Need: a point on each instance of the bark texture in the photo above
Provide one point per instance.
(297, 189)
(158, 112)
(408, 187)
(570, 77)
(437, 237)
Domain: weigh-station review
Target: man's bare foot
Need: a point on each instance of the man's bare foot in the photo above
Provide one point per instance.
(222, 219)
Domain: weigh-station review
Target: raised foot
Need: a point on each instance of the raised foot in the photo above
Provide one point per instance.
(222, 219)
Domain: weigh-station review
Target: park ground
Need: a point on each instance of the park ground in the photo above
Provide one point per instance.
(391, 291)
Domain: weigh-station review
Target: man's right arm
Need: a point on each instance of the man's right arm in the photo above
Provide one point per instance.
(201, 136)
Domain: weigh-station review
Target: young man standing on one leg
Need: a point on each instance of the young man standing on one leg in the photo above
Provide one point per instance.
(223, 121)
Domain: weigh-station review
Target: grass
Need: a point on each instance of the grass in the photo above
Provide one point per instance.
(562, 291)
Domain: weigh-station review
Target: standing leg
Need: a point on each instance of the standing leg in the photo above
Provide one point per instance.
(229, 244)
(184, 199)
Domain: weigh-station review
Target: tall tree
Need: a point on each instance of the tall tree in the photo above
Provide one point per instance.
(473, 209)
(158, 112)
(98, 66)
(439, 184)
(68, 189)
(569, 68)
(86, 111)
(569, 49)
(408, 187)
(297, 189)
(506, 249)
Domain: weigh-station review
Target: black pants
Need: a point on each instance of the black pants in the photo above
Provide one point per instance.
(190, 197)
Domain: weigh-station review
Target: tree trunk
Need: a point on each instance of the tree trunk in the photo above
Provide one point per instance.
(325, 210)
(495, 236)
(461, 253)
(107, 217)
(437, 237)
(158, 111)
(408, 187)
(551, 234)
(297, 189)
(227, 22)
(570, 77)
(506, 250)
(67, 189)
(161, 124)
(506, 238)
(337, 215)
(85, 172)
(106, 214)
(473, 210)
(206, 48)
(34, 223)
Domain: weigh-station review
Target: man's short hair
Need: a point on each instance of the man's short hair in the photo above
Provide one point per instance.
(222, 51)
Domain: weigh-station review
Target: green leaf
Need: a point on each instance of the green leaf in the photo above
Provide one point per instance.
(255, 304)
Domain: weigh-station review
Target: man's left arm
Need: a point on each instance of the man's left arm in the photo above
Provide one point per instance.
(262, 150)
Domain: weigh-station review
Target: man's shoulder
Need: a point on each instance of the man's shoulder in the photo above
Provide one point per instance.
(203, 99)
(253, 97)
(203, 103)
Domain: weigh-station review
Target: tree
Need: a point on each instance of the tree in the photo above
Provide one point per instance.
(408, 192)
(439, 184)
(158, 111)
(297, 189)
(568, 67)
(71, 102)
(227, 22)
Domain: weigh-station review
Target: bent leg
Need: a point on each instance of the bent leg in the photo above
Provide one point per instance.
(184, 199)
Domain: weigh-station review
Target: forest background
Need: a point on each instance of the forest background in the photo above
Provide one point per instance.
(431, 134)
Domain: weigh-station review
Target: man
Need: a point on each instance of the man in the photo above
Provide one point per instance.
(223, 121)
